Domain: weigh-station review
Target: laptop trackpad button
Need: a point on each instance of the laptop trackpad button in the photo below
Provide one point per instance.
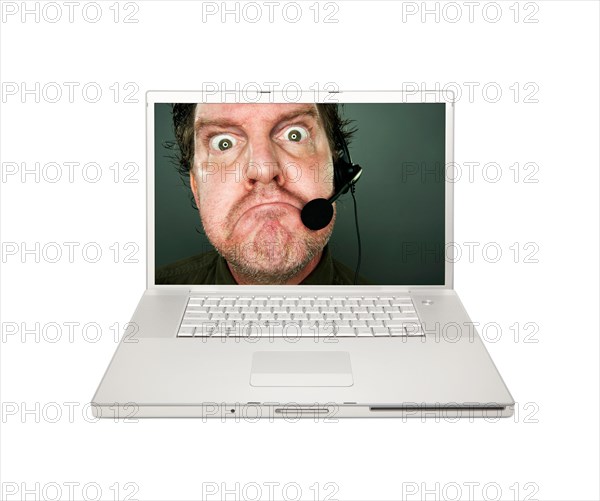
(301, 368)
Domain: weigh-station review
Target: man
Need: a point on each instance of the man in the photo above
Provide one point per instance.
(252, 168)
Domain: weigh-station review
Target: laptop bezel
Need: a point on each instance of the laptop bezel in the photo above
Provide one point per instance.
(306, 96)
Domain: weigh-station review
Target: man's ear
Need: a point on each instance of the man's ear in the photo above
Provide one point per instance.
(194, 187)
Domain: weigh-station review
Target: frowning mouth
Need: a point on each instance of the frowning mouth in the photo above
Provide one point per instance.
(279, 207)
(273, 204)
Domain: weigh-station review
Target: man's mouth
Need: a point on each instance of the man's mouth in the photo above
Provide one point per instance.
(273, 204)
(272, 210)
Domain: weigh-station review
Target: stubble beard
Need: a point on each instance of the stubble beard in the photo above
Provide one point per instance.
(275, 255)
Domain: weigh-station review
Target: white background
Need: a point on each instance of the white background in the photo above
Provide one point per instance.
(549, 450)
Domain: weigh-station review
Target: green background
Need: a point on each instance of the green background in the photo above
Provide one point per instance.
(400, 196)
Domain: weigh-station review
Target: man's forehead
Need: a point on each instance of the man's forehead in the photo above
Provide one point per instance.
(247, 110)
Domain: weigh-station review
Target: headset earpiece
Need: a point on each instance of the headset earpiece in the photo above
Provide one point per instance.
(345, 173)
(317, 213)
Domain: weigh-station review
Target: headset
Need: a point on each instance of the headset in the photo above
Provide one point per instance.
(317, 213)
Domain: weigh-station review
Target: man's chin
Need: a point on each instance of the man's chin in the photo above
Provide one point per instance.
(271, 265)
(267, 274)
(268, 265)
(267, 254)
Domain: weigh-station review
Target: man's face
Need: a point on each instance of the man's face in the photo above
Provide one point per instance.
(255, 167)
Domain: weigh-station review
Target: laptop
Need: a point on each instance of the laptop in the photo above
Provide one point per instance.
(297, 263)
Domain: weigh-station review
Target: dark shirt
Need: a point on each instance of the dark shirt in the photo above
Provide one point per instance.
(211, 268)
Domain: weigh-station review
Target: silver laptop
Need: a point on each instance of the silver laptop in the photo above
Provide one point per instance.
(297, 263)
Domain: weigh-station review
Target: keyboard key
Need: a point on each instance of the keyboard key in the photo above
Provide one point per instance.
(197, 313)
(381, 316)
(380, 331)
(328, 309)
(407, 318)
(196, 309)
(206, 330)
(343, 330)
(363, 332)
(186, 331)
(397, 331)
(413, 330)
(400, 323)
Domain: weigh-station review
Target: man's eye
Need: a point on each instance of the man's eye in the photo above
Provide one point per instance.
(222, 142)
(295, 134)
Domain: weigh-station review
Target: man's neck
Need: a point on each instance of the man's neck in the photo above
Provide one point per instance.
(297, 279)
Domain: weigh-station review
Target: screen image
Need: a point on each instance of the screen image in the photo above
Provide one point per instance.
(236, 185)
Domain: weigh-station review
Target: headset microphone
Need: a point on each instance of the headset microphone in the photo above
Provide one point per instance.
(317, 213)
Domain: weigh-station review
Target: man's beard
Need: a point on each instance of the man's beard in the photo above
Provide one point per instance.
(276, 258)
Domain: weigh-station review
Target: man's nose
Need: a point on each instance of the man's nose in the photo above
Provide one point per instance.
(264, 163)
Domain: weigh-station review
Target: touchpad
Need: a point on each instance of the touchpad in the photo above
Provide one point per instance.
(301, 368)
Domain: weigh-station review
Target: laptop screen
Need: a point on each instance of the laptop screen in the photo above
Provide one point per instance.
(235, 186)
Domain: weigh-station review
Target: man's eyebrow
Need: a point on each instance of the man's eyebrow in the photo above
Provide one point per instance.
(201, 123)
(301, 112)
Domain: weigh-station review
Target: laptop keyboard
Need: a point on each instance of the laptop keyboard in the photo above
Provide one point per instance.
(294, 316)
